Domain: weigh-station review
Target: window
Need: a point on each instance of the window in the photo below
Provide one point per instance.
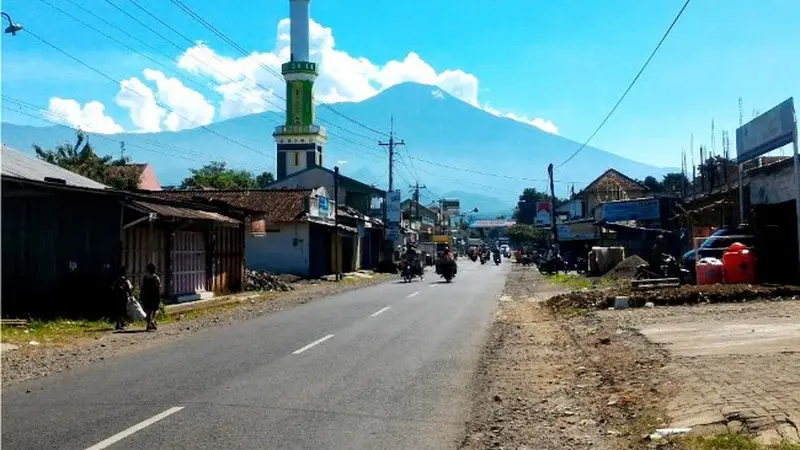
(297, 159)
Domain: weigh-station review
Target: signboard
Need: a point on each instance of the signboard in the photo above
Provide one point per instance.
(451, 207)
(769, 131)
(393, 231)
(580, 231)
(323, 206)
(646, 209)
(393, 210)
(544, 213)
(258, 227)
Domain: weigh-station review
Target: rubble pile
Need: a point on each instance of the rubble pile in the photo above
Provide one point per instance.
(625, 268)
(258, 280)
(683, 295)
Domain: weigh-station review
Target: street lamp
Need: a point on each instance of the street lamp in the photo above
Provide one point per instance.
(13, 28)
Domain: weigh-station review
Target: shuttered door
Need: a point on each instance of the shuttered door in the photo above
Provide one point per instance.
(189, 263)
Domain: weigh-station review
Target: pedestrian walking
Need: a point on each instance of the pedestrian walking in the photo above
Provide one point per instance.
(121, 290)
(150, 295)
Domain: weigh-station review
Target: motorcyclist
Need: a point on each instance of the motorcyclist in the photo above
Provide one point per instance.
(411, 257)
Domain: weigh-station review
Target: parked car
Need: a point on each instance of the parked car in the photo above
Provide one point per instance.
(716, 244)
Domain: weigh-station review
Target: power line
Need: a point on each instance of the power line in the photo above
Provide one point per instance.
(664, 37)
(238, 47)
(104, 75)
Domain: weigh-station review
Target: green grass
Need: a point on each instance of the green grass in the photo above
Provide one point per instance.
(57, 331)
(730, 441)
(572, 281)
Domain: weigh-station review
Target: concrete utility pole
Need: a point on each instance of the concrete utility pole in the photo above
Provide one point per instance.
(416, 189)
(553, 203)
(336, 222)
(391, 145)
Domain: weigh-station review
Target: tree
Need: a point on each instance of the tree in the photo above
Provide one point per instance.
(217, 175)
(674, 182)
(82, 159)
(521, 232)
(526, 207)
(651, 183)
(264, 179)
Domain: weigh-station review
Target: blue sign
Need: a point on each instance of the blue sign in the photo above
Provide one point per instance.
(647, 209)
(323, 206)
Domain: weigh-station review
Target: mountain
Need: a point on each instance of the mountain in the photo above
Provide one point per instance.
(435, 126)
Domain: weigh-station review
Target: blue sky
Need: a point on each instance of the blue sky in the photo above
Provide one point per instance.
(564, 62)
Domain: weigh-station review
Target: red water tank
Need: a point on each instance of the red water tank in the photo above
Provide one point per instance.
(709, 271)
(739, 263)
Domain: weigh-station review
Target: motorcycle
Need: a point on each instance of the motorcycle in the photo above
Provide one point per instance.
(552, 266)
(483, 258)
(408, 272)
(497, 259)
(670, 268)
(447, 268)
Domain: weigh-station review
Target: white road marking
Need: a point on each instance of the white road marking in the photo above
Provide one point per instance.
(412, 294)
(434, 285)
(379, 311)
(317, 342)
(138, 427)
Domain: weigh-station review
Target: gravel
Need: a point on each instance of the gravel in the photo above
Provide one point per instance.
(29, 362)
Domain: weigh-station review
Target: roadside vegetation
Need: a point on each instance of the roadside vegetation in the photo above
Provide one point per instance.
(571, 281)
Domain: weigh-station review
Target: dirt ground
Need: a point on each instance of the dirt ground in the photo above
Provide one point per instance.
(30, 362)
(550, 381)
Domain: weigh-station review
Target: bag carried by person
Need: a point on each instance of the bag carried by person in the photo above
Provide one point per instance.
(135, 310)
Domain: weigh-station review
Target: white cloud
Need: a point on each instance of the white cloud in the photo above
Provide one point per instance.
(343, 77)
(171, 106)
(140, 101)
(542, 124)
(188, 108)
(91, 117)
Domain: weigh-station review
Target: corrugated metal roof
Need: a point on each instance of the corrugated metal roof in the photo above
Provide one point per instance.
(277, 205)
(19, 165)
(184, 213)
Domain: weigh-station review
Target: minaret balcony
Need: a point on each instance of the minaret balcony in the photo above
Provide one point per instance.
(301, 129)
(292, 67)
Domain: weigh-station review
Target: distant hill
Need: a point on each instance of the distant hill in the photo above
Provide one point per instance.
(435, 126)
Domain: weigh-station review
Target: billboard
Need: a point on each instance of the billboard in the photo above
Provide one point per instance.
(769, 131)
(578, 231)
(645, 209)
(393, 209)
(544, 214)
(492, 223)
(451, 207)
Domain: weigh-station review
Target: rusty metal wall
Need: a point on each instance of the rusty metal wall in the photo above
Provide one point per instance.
(142, 245)
(227, 261)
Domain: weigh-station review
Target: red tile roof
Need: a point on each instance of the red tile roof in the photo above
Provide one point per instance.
(276, 205)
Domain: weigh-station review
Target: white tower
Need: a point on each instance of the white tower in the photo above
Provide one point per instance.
(299, 140)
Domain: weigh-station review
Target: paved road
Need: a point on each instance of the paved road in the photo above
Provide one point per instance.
(384, 367)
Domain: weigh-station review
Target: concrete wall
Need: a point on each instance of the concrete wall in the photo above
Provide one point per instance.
(772, 187)
(278, 252)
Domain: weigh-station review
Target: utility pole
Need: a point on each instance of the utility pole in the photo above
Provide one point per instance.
(553, 203)
(391, 145)
(337, 269)
(416, 187)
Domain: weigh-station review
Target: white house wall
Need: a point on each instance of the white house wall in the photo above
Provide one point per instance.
(310, 179)
(278, 252)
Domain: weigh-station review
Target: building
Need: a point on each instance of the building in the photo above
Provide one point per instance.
(148, 181)
(292, 230)
(299, 140)
(611, 185)
(772, 197)
(65, 236)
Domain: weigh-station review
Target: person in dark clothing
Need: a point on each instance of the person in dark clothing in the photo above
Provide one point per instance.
(151, 296)
(121, 290)
(657, 254)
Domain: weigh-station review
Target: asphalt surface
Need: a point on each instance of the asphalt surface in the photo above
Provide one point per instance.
(384, 367)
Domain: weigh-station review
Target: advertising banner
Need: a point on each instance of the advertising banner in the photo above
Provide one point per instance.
(544, 214)
(393, 209)
(451, 207)
(645, 209)
(767, 132)
(580, 231)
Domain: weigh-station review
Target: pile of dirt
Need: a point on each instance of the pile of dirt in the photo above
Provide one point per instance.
(625, 268)
(258, 280)
(683, 295)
